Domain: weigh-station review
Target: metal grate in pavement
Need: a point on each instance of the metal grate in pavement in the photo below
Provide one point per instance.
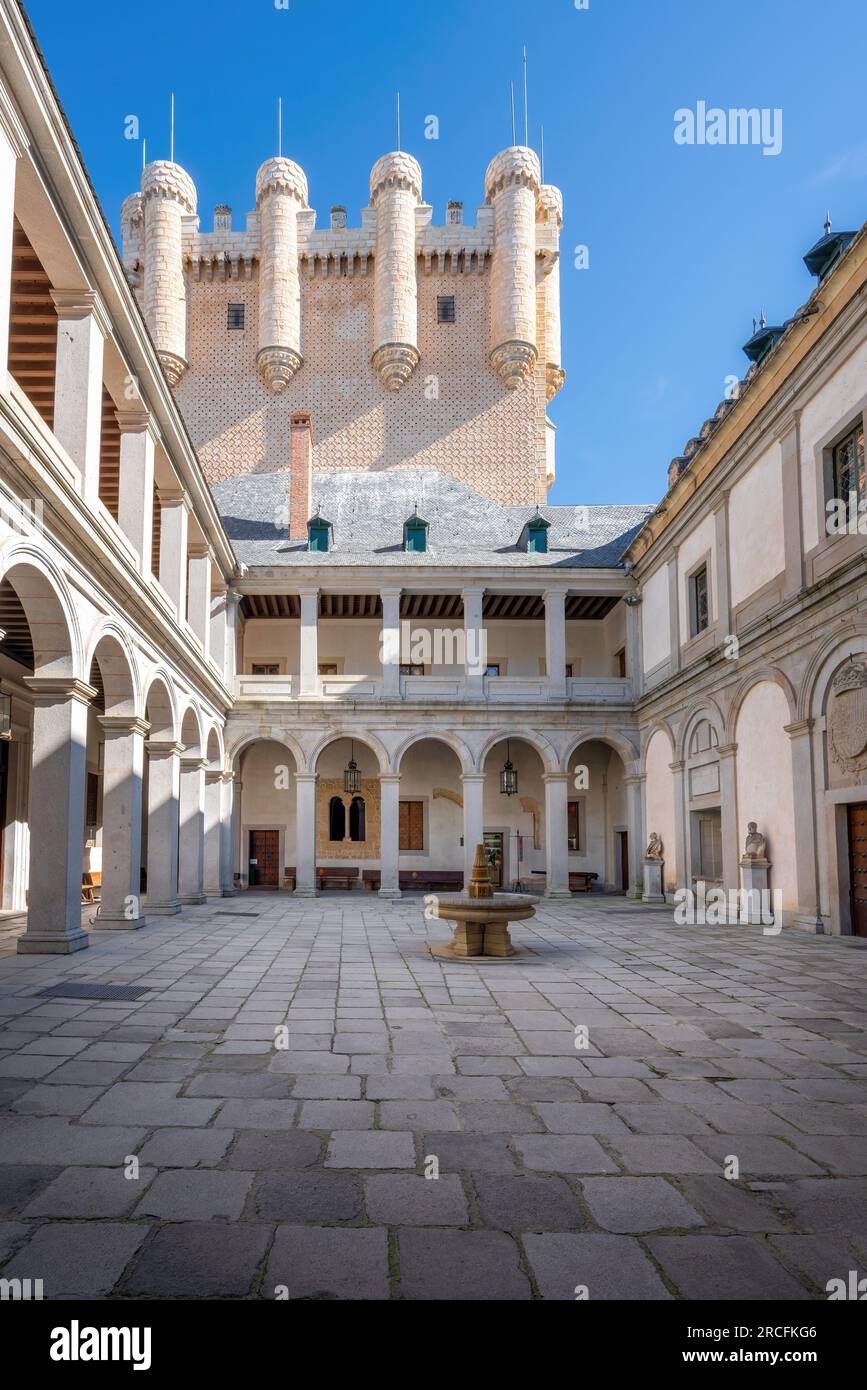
(94, 991)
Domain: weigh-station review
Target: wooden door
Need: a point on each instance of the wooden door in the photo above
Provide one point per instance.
(264, 859)
(857, 817)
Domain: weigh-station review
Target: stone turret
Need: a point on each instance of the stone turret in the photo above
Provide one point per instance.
(281, 193)
(549, 213)
(512, 185)
(131, 228)
(395, 193)
(168, 196)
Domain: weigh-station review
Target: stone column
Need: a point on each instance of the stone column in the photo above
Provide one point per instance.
(164, 780)
(556, 835)
(309, 682)
(634, 785)
(476, 644)
(213, 886)
(474, 818)
(13, 143)
(673, 612)
(555, 643)
(305, 834)
(390, 644)
(389, 836)
(224, 633)
(57, 794)
(805, 801)
(173, 549)
(191, 845)
(135, 513)
(227, 836)
(199, 566)
(682, 870)
(82, 329)
(728, 785)
(122, 821)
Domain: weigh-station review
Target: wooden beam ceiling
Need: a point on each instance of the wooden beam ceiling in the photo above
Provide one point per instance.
(32, 327)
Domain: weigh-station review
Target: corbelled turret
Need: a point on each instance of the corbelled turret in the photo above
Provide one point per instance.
(512, 185)
(281, 192)
(168, 196)
(395, 193)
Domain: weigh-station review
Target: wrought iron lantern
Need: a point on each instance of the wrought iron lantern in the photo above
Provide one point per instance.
(352, 775)
(508, 776)
(5, 716)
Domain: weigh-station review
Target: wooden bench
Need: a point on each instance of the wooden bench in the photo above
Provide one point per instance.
(91, 887)
(343, 880)
(582, 882)
(289, 880)
(428, 880)
(371, 879)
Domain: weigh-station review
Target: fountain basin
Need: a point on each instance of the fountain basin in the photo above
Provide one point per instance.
(481, 925)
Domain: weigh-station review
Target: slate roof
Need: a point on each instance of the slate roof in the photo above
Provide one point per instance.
(368, 510)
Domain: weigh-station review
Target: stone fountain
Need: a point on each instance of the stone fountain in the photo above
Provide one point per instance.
(482, 918)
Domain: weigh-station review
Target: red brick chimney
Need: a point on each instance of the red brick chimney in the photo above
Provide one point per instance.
(300, 474)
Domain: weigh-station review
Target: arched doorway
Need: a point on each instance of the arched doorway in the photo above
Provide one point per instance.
(430, 829)
(265, 816)
(513, 804)
(602, 838)
(162, 797)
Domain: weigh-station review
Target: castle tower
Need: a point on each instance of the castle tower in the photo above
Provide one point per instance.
(512, 185)
(281, 192)
(395, 193)
(549, 213)
(168, 196)
(132, 226)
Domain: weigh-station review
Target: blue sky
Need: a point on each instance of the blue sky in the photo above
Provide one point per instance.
(686, 243)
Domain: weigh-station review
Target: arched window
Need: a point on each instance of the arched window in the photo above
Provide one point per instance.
(357, 818)
(336, 819)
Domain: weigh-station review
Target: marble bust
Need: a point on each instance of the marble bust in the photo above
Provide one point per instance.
(654, 847)
(755, 845)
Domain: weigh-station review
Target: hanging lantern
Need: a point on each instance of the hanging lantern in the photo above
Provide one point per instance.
(351, 775)
(508, 777)
(5, 716)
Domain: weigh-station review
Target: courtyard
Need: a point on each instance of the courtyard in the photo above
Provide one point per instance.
(302, 1103)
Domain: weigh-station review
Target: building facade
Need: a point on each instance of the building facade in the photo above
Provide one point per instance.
(282, 603)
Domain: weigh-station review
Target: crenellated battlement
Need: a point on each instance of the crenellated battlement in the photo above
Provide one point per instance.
(484, 295)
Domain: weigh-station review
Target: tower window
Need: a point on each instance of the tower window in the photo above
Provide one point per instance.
(445, 308)
(236, 316)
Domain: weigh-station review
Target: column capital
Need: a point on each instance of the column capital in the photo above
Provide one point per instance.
(234, 596)
(727, 750)
(549, 594)
(82, 304)
(309, 591)
(474, 777)
(164, 748)
(389, 779)
(633, 779)
(677, 766)
(555, 777)
(124, 724)
(196, 764)
(474, 591)
(800, 728)
(213, 776)
(199, 550)
(307, 777)
(137, 420)
(389, 591)
(173, 497)
(47, 688)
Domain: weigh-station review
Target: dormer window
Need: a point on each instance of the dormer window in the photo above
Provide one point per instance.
(536, 532)
(319, 533)
(415, 534)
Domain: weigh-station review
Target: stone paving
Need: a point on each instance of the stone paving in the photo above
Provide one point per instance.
(167, 1148)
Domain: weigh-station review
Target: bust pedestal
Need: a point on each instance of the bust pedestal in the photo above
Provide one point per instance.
(754, 881)
(653, 891)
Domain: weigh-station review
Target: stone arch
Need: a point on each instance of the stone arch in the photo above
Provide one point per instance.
(704, 709)
(659, 726)
(769, 674)
(457, 745)
(191, 735)
(621, 744)
(113, 653)
(541, 745)
(160, 708)
(368, 740)
(215, 752)
(816, 685)
(238, 747)
(765, 782)
(43, 593)
(660, 798)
